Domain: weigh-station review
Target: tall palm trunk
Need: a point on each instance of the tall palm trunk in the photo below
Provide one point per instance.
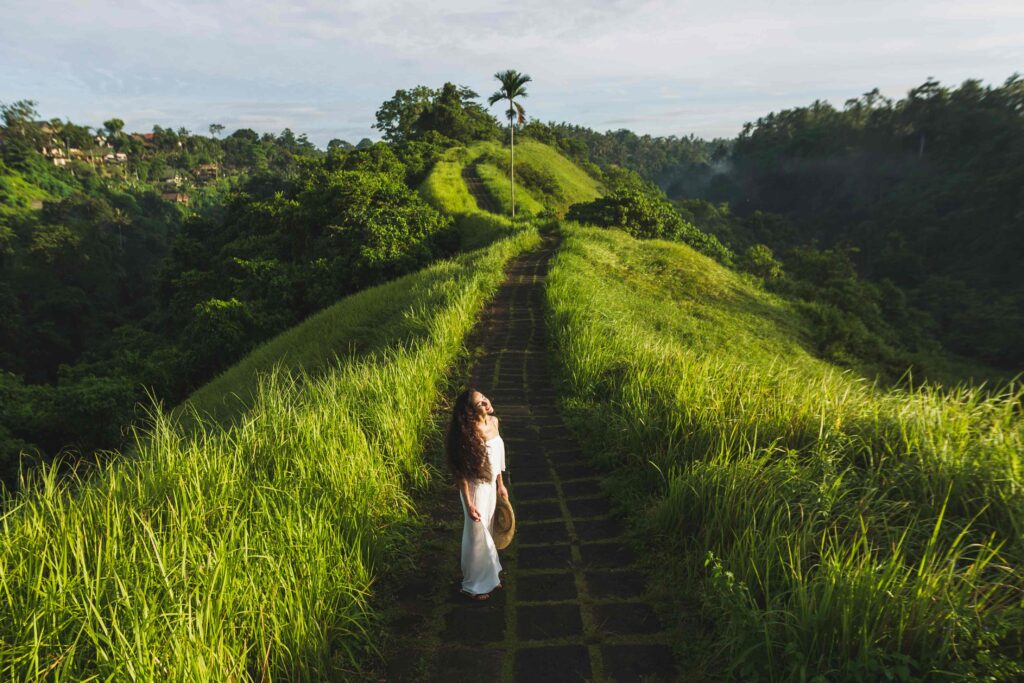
(512, 159)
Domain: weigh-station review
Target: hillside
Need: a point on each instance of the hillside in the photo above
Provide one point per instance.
(816, 522)
(545, 179)
(794, 517)
(251, 549)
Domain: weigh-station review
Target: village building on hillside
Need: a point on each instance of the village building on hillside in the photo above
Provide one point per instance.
(175, 197)
(172, 179)
(204, 172)
(56, 155)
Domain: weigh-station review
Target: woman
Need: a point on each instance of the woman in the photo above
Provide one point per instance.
(476, 456)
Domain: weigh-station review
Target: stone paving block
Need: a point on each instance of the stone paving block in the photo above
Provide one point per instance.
(543, 622)
(558, 664)
(542, 587)
(542, 532)
(528, 474)
(468, 665)
(475, 624)
(544, 557)
(584, 487)
(574, 470)
(632, 662)
(523, 439)
(588, 507)
(603, 555)
(567, 459)
(538, 510)
(626, 618)
(615, 584)
(556, 438)
(545, 393)
(503, 400)
(524, 456)
(598, 529)
(516, 411)
(527, 492)
(541, 407)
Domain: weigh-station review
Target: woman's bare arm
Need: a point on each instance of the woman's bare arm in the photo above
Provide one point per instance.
(474, 514)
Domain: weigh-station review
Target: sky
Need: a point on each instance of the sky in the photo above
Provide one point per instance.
(324, 67)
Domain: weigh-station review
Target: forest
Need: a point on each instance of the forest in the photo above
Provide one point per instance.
(921, 198)
(136, 267)
(115, 292)
(764, 445)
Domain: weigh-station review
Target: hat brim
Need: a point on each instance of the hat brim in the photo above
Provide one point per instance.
(503, 527)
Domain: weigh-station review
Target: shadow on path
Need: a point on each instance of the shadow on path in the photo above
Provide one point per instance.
(573, 606)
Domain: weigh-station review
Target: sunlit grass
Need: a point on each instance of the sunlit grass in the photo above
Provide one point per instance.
(831, 527)
(446, 190)
(495, 179)
(248, 551)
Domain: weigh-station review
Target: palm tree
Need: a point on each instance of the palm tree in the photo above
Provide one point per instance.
(512, 86)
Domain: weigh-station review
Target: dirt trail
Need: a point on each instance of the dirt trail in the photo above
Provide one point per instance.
(573, 605)
(476, 187)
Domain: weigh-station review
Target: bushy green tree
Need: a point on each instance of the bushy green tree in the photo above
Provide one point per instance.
(642, 210)
(450, 111)
(760, 262)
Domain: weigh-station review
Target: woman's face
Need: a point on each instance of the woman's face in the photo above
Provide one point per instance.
(481, 404)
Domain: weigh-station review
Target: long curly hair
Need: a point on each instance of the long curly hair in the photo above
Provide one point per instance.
(464, 445)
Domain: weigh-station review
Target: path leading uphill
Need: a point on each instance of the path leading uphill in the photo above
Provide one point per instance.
(476, 187)
(572, 608)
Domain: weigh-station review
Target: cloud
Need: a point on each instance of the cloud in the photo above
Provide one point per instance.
(322, 67)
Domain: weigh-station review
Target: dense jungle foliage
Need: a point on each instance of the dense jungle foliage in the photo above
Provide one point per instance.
(894, 225)
(135, 264)
(923, 197)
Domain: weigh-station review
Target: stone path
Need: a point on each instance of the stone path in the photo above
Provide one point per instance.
(476, 187)
(572, 608)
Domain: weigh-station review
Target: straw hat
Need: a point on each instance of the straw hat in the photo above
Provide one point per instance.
(504, 524)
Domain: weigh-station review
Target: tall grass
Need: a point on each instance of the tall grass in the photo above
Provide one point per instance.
(245, 552)
(835, 530)
(364, 322)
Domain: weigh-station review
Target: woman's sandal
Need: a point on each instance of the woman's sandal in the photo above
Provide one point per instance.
(476, 597)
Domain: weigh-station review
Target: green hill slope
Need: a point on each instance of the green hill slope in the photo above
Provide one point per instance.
(545, 179)
(826, 526)
(392, 315)
(248, 551)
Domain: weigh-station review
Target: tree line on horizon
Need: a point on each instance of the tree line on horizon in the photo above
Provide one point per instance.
(918, 197)
(895, 224)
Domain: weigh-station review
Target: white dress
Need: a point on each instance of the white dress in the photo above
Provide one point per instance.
(480, 565)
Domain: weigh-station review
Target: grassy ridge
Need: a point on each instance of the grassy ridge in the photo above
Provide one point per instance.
(830, 528)
(445, 189)
(250, 551)
(362, 323)
(545, 179)
(564, 182)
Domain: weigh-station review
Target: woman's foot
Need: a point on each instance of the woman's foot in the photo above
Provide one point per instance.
(476, 597)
